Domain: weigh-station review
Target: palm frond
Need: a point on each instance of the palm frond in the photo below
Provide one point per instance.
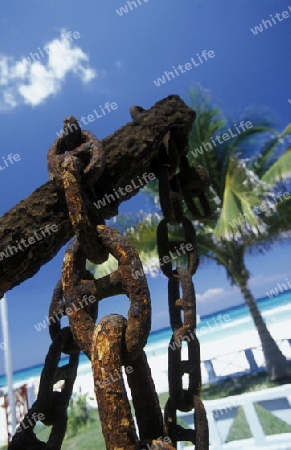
(241, 196)
(280, 170)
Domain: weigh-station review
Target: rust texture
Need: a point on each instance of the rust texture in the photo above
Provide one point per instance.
(84, 146)
(124, 150)
(139, 313)
(73, 272)
(84, 228)
(114, 409)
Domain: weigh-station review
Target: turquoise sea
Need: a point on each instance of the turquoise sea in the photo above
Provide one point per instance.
(234, 321)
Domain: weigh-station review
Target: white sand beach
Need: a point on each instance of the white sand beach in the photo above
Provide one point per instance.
(227, 356)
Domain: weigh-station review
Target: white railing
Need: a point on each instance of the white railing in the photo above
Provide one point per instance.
(240, 362)
(215, 409)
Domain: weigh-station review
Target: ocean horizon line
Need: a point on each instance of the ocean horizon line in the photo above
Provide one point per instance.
(158, 331)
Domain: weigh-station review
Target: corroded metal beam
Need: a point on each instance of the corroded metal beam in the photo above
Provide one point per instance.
(33, 231)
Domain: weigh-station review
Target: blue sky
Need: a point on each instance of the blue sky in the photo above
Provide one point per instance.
(115, 59)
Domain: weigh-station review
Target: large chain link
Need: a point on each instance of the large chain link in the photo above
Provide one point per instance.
(116, 345)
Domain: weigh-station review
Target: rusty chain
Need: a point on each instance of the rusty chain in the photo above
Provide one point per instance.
(116, 345)
(50, 406)
(171, 195)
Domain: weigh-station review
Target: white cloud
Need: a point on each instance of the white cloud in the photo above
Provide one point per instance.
(217, 299)
(263, 281)
(213, 294)
(41, 74)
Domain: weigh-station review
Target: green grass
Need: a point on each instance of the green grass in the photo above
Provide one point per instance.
(237, 386)
(240, 428)
(89, 437)
(270, 424)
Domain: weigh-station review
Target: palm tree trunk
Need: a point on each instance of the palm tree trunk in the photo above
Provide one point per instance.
(277, 366)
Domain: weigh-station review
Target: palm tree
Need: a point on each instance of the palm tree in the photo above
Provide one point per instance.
(244, 172)
(241, 180)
